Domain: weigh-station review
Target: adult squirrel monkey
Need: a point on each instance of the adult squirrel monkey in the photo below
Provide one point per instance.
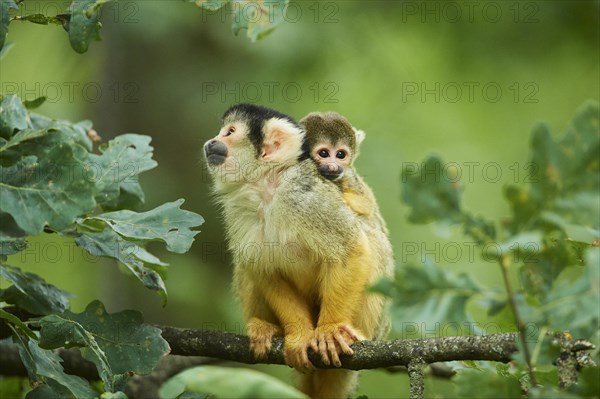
(302, 259)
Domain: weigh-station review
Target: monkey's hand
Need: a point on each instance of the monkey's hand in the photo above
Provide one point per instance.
(334, 339)
(295, 350)
(261, 333)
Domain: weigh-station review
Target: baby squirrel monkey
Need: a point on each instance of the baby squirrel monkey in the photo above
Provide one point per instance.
(293, 276)
(332, 143)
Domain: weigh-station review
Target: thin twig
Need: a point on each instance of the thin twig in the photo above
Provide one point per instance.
(504, 265)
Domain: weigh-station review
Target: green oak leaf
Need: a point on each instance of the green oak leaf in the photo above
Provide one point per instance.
(113, 395)
(580, 208)
(78, 132)
(48, 187)
(480, 229)
(84, 25)
(522, 204)
(118, 343)
(430, 194)
(5, 6)
(427, 296)
(45, 391)
(563, 171)
(434, 195)
(215, 380)
(12, 238)
(523, 246)
(42, 19)
(47, 364)
(13, 115)
(572, 304)
(574, 232)
(210, 5)
(580, 145)
(17, 323)
(142, 264)
(22, 343)
(167, 223)
(60, 331)
(240, 21)
(31, 293)
(267, 15)
(19, 138)
(259, 17)
(34, 103)
(116, 170)
(539, 270)
(506, 370)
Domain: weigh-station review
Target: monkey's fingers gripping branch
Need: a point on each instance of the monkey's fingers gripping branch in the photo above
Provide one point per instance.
(334, 340)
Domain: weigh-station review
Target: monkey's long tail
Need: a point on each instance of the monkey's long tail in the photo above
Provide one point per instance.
(329, 384)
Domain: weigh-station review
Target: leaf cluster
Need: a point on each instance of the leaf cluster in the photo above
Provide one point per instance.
(81, 20)
(548, 245)
(55, 178)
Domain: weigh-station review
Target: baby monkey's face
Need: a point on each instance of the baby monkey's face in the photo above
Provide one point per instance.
(332, 160)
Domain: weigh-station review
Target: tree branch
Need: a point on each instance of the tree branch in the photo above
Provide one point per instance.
(367, 354)
(187, 345)
(413, 353)
(572, 358)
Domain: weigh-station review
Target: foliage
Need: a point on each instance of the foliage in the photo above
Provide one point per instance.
(426, 295)
(81, 20)
(249, 384)
(118, 344)
(52, 181)
(258, 17)
(549, 245)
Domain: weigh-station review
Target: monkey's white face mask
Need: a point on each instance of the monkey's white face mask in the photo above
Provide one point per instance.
(238, 155)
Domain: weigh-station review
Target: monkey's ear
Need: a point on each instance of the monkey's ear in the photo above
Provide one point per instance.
(282, 141)
(360, 135)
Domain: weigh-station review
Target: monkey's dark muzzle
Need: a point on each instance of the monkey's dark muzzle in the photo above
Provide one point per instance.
(215, 152)
(331, 171)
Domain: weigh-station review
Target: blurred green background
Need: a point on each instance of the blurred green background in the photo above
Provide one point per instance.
(465, 80)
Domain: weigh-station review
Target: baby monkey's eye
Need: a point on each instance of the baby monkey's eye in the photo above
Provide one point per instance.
(324, 154)
(230, 131)
(340, 154)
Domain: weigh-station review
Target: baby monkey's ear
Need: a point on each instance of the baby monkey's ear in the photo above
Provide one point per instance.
(360, 135)
(282, 141)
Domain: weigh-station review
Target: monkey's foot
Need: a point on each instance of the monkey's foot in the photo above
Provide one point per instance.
(334, 339)
(261, 333)
(295, 350)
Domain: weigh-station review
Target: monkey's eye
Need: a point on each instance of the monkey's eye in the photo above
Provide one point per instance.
(324, 154)
(230, 131)
(340, 154)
